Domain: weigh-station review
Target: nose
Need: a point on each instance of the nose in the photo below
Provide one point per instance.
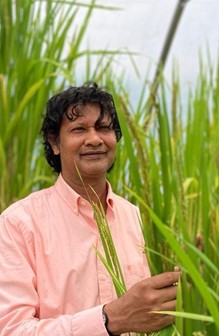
(93, 137)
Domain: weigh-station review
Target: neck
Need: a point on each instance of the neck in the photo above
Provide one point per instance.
(91, 190)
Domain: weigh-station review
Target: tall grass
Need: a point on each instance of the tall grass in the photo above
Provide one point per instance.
(112, 263)
(39, 49)
(168, 165)
(167, 161)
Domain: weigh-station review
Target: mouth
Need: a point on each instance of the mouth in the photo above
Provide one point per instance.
(93, 155)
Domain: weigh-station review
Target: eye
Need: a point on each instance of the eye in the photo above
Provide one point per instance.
(78, 129)
(105, 128)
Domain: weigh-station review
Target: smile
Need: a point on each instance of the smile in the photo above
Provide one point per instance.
(93, 155)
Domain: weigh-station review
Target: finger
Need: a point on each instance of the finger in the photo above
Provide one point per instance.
(165, 319)
(169, 305)
(167, 293)
(176, 269)
(165, 279)
(166, 306)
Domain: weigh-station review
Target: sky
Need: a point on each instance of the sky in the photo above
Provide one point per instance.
(142, 25)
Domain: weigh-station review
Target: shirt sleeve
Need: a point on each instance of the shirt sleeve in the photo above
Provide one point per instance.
(19, 300)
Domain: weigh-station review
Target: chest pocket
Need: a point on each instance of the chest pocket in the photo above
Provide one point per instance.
(134, 273)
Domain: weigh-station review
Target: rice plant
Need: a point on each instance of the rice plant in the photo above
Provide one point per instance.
(112, 264)
(167, 162)
(168, 165)
(40, 45)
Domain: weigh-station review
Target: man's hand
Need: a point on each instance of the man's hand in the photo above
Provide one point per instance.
(132, 312)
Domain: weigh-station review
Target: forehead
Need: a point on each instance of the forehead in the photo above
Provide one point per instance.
(87, 112)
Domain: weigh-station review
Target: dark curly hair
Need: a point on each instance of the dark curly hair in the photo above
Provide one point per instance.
(57, 107)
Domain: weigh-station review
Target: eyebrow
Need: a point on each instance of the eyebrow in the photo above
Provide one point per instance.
(96, 124)
(81, 121)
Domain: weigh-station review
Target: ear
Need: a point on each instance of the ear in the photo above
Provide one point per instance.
(54, 144)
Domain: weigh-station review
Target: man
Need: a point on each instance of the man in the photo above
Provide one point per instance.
(51, 282)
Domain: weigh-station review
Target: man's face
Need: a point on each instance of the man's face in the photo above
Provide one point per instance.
(82, 144)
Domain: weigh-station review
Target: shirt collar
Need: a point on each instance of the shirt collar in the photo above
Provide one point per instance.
(73, 199)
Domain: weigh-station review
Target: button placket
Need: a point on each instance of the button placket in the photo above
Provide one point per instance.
(104, 279)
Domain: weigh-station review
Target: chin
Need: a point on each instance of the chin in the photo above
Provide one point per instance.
(94, 170)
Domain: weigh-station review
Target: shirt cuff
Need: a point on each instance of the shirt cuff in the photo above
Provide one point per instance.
(89, 322)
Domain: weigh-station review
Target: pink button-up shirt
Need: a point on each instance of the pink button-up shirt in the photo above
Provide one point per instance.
(51, 281)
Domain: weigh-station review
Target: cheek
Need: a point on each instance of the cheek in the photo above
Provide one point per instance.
(114, 144)
(69, 144)
(112, 141)
(112, 147)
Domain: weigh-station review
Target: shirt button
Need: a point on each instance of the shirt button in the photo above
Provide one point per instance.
(102, 277)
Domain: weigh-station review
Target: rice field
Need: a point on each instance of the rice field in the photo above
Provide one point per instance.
(167, 161)
(168, 165)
